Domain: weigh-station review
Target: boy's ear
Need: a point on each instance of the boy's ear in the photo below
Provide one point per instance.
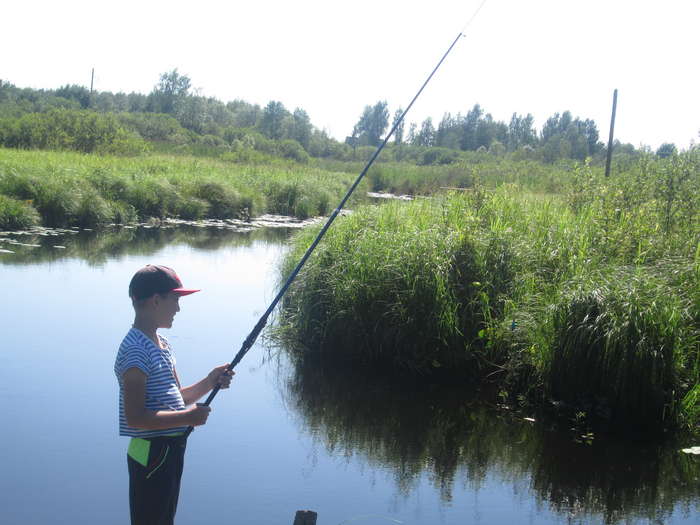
(140, 304)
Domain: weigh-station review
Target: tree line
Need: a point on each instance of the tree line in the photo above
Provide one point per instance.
(562, 136)
(173, 112)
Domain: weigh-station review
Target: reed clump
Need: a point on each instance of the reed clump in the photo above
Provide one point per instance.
(395, 288)
(622, 345)
(16, 214)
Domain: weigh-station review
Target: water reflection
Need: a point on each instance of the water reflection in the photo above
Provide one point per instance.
(97, 247)
(414, 431)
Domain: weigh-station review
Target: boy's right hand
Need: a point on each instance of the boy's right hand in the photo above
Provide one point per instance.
(199, 414)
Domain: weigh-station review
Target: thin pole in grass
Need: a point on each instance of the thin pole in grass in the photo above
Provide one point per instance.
(608, 160)
(252, 337)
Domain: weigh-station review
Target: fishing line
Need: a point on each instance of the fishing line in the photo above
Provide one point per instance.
(252, 337)
(473, 17)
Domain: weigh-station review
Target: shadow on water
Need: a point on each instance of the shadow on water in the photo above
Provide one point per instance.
(416, 431)
(96, 247)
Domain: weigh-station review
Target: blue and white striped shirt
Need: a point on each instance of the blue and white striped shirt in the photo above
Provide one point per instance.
(162, 392)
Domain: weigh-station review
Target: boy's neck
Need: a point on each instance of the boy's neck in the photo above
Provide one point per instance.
(147, 328)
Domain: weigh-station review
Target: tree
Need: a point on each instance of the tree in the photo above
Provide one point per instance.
(245, 115)
(74, 92)
(667, 149)
(489, 130)
(592, 136)
(550, 128)
(412, 134)
(191, 113)
(521, 132)
(171, 89)
(137, 102)
(469, 126)
(372, 124)
(448, 132)
(398, 134)
(426, 135)
(271, 123)
(301, 128)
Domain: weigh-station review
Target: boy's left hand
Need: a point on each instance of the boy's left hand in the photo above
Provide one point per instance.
(220, 376)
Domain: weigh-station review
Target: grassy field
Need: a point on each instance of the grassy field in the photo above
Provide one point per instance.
(586, 300)
(88, 190)
(73, 189)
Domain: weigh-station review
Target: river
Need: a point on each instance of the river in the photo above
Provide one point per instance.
(286, 436)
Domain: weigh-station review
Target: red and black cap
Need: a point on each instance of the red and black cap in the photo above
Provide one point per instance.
(155, 279)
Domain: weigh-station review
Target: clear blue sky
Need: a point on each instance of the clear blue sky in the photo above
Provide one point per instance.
(332, 58)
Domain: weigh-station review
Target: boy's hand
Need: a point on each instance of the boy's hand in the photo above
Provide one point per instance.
(220, 376)
(199, 414)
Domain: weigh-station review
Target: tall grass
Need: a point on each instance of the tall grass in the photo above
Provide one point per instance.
(16, 214)
(621, 344)
(588, 298)
(75, 189)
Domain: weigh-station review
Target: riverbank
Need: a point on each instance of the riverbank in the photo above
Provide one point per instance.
(586, 303)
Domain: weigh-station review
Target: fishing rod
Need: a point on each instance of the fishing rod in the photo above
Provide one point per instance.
(252, 337)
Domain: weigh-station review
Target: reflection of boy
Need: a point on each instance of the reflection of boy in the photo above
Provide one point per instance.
(154, 410)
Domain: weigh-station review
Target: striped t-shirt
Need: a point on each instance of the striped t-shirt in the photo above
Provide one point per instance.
(162, 392)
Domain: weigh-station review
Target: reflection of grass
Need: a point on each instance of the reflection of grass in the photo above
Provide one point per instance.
(416, 431)
(98, 247)
(71, 189)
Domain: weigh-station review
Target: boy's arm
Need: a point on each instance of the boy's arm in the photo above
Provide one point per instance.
(137, 416)
(220, 376)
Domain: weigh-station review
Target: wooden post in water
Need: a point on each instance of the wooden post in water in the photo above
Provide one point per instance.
(305, 517)
(608, 160)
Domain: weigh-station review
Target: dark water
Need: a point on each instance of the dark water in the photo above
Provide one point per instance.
(286, 436)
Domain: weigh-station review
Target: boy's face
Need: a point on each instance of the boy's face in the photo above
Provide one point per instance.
(166, 306)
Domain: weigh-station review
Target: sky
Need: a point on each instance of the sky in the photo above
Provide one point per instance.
(333, 58)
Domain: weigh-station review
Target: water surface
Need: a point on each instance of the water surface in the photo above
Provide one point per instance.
(355, 448)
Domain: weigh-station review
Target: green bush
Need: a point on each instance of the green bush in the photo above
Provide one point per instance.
(123, 213)
(439, 156)
(152, 126)
(153, 197)
(57, 203)
(193, 209)
(79, 130)
(92, 210)
(223, 202)
(291, 149)
(16, 215)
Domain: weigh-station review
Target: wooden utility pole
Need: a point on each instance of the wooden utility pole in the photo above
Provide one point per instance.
(92, 79)
(610, 137)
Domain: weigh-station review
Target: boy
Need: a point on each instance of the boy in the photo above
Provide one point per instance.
(154, 410)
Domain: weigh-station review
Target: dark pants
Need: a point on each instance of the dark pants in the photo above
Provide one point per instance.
(154, 480)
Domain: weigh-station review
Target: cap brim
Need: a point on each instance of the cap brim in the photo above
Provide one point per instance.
(183, 291)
